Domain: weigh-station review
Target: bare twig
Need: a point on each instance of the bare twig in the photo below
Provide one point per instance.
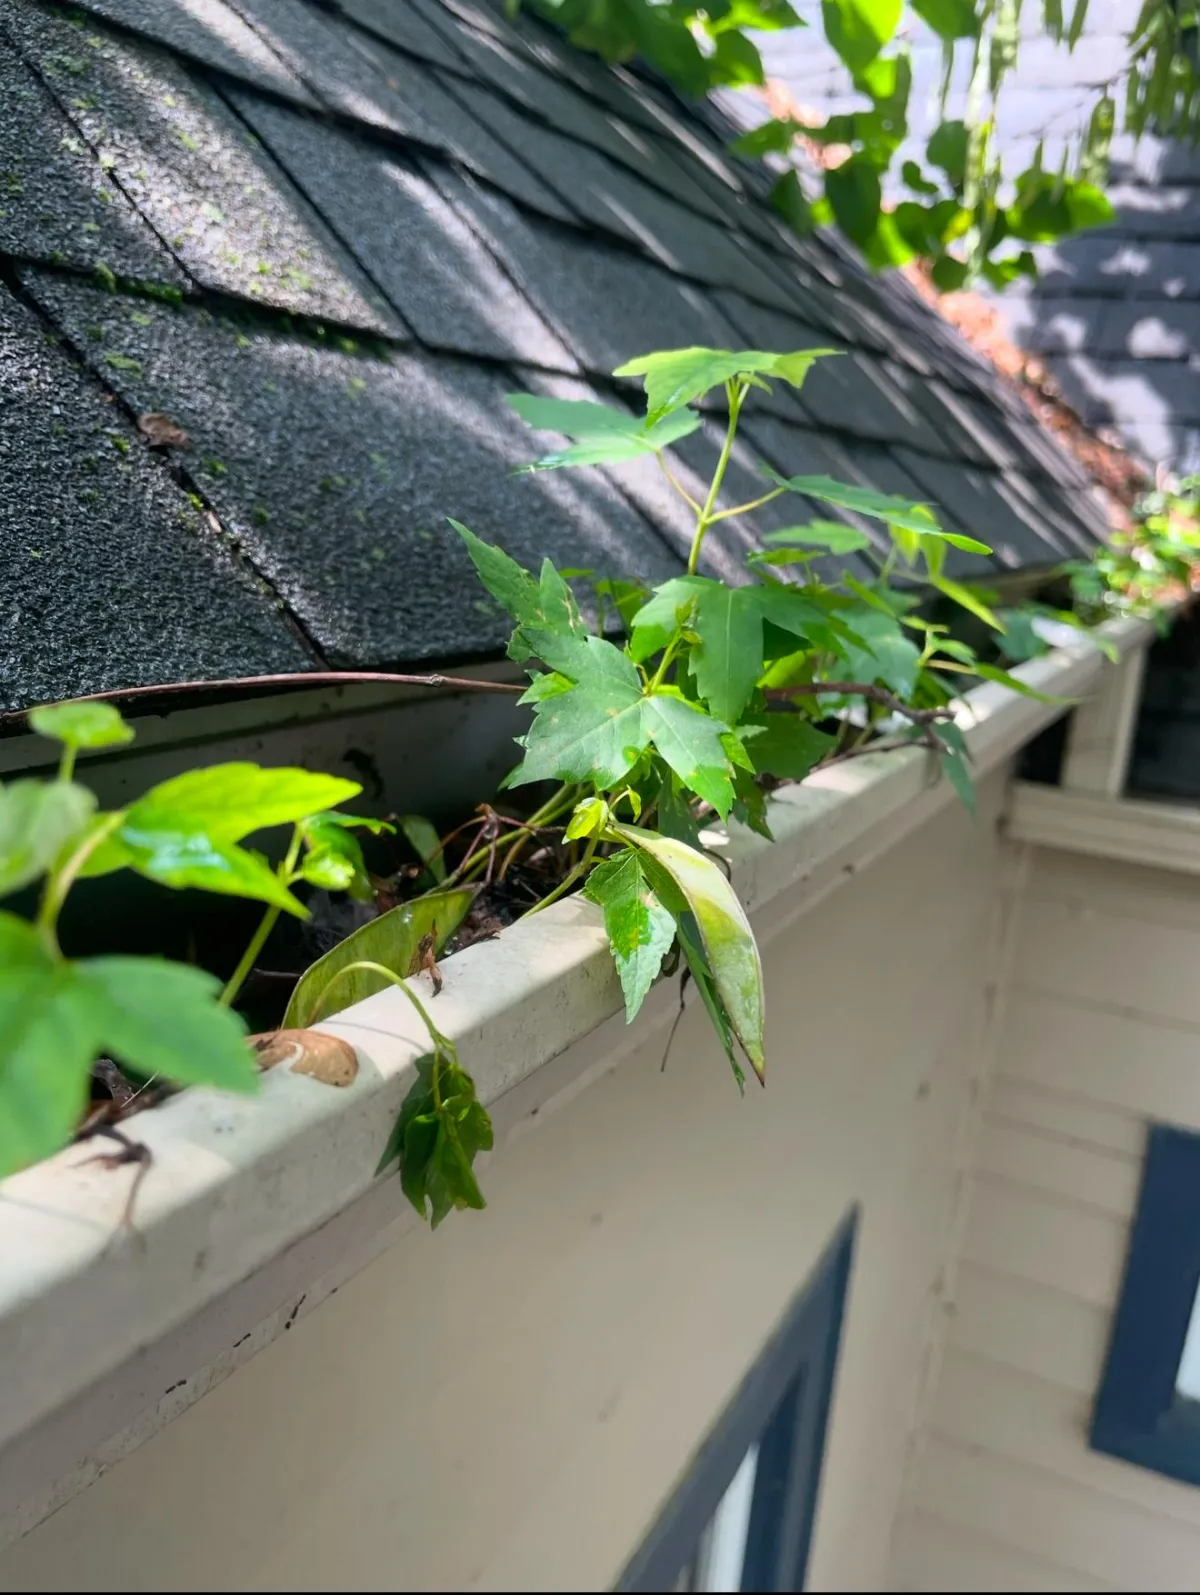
(295, 678)
(926, 719)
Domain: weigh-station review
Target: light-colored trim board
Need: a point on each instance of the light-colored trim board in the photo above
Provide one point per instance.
(1165, 835)
(235, 1183)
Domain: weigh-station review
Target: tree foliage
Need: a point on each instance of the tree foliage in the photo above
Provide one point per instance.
(960, 208)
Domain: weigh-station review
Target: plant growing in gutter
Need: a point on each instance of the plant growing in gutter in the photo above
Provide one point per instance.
(703, 693)
(678, 703)
(162, 1020)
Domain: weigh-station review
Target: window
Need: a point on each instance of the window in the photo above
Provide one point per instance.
(742, 1518)
(1148, 1408)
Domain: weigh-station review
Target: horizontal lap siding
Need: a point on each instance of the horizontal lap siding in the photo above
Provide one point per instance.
(507, 1404)
(1100, 1032)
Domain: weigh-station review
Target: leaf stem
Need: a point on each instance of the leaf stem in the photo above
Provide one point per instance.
(60, 881)
(265, 925)
(744, 509)
(66, 765)
(569, 879)
(678, 486)
(390, 975)
(736, 392)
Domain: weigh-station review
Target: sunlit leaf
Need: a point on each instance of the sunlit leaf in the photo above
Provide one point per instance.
(674, 377)
(81, 725)
(37, 821)
(700, 886)
(640, 930)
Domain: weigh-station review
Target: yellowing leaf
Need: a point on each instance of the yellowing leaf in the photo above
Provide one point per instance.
(724, 931)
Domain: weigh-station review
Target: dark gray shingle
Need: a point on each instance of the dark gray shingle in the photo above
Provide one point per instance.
(109, 576)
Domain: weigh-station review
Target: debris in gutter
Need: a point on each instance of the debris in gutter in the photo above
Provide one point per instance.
(160, 432)
(311, 1052)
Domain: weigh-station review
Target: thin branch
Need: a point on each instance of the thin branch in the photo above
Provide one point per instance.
(926, 719)
(295, 678)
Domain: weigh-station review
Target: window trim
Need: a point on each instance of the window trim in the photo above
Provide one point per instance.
(1139, 1414)
(802, 1351)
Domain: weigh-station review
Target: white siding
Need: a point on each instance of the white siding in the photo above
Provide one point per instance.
(505, 1405)
(1101, 1031)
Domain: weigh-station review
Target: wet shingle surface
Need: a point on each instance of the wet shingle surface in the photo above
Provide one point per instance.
(417, 248)
(292, 436)
(109, 575)
(56, 201)
(337, 233)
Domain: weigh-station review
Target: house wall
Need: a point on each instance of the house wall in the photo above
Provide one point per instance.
(1100, 1032)
(507, 1404)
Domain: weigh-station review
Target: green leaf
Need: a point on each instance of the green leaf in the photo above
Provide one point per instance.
(81, 725)
(191, 858)
(674, 377)
(659, 618)
(727, 660)
(912, 175)
(889, 656)
(949, 19)
(425, 843)
(1078, 18)
(1020, 640)
(947, 148)
(956, 539)
(229, 801)
(591, 661)
(56, 1017)
(640, 930)
(392, 940)
(47, 1043)
(789, 746)
(956, 771)
(835, 536)
(437, 1136)
(690, 742)
(854, 192)
(589, 818)
(164, 1018)
(735, 61)
(37, 821)
(909, 516)
(513, 588)
(788, 198)
(333, 859)
(859, 29)
(592, 733)
(966, 599)
(772, 137)
(706, 985)
(725, 932)
(604, 436)
(1004, 678)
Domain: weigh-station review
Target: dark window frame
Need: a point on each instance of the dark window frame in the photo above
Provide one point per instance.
(1139, 1415)
(782, 1405)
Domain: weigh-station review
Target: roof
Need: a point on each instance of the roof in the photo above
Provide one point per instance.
(325, 240)
(1116, 312)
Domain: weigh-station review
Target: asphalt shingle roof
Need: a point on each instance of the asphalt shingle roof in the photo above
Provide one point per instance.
(326, 237)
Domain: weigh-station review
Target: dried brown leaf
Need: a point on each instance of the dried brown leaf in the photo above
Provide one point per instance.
(310, 1052)
(160, 432)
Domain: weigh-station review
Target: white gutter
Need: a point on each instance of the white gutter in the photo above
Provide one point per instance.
(237, 1183)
